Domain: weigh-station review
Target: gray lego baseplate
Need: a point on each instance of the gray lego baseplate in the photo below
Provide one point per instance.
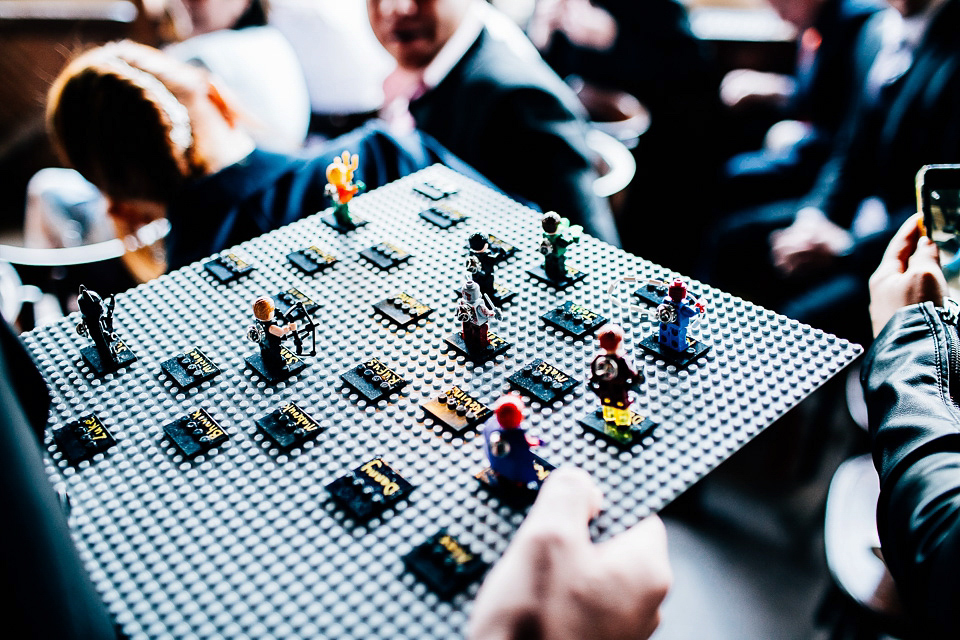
(244, 540)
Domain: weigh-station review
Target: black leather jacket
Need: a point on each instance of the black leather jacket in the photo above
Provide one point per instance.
(911, 377)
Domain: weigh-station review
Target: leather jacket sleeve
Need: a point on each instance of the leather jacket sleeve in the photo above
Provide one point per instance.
(908, 376)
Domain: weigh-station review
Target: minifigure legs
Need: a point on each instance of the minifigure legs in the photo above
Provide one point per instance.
(616, 415)
(475, 335)
(673, 337)
(272, 358)
(341, 213)
(104, 347)
(555, 266)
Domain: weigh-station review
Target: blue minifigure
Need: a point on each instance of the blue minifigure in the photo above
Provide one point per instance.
(507, 446)
(674, 314)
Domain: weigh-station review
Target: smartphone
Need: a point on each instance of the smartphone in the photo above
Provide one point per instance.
(938, 197)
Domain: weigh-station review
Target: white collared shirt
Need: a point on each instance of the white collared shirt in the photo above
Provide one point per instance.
(479, 15)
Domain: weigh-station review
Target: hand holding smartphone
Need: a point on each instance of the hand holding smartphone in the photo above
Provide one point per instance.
(938, 198)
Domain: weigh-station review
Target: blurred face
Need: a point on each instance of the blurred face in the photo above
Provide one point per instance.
(213, 15)
(909, 7)
(414, 31)
(799, 13)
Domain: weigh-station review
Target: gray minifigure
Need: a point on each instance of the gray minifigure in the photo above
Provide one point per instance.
(475, 312)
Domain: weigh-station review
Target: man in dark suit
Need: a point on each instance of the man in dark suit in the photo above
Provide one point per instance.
(823, 92)
(482, 91)
(811, 259)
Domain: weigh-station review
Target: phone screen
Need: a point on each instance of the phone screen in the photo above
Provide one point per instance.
(939, 192)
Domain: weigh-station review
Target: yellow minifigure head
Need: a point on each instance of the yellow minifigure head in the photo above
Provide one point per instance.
(340, 171)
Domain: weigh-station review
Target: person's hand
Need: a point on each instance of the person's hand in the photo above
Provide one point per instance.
(812, 242)
(544, 22)
(554, 583)
(909, 273)
(741, 88)
(587, 25)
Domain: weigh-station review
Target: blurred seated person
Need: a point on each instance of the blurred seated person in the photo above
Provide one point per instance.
(810, 259)
(811, 105)
(909, 378)
(340, 60)
(160, 139)
(469, 77)
(253, 62)
(647, 50)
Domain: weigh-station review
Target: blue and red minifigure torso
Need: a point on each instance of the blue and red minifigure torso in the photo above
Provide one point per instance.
(673, 333)
(507, 446)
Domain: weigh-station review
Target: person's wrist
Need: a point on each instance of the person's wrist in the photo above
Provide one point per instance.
(810, 214)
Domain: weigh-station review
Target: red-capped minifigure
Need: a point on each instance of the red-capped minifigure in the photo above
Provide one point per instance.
(507, 445)
(612, 378)
(674, 314)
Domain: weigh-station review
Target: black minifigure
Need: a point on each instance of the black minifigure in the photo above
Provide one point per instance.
(558, 234)
(108, 352)
(97, 322)
(480, 264)
(612, 378)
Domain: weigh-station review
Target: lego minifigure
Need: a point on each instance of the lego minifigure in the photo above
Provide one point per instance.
(612, 378)
(507, 446)
(674, 313)
(108, 352)
(97, 323)
(341, 188)
(557, 236)
(475, 313)
(269, 334)
(483, 258)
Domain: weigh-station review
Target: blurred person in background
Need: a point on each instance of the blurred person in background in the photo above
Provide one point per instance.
(647, 50)
(811, 105)
(257, 69)
(160, 139)
(470, 78)
(810, 259)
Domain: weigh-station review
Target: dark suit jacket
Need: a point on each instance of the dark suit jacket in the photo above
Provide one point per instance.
(825, 93)
(520, 126)
(917, 123)
(265, 191)
(48, 592)
(825, 88)
(655, 56)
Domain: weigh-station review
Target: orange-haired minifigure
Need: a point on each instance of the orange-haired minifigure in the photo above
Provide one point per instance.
(341, 188)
